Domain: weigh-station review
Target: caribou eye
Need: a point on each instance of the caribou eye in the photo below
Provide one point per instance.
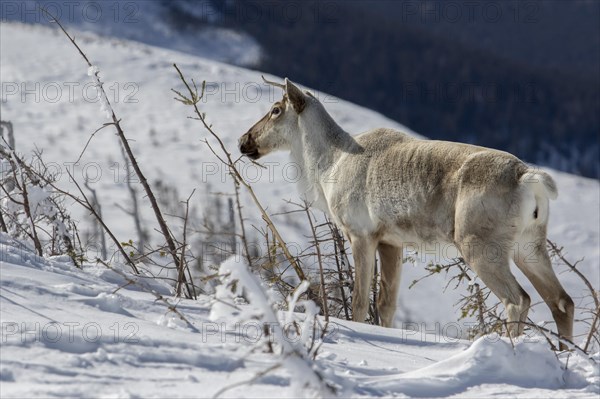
(276, 111)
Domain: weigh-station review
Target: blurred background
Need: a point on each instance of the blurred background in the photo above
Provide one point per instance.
(521, 76)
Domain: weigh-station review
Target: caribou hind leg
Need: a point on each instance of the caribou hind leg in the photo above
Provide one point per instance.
(485, 229)
(491, 263)
(533, 260)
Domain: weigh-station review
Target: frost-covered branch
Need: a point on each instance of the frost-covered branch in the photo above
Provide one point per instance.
(294, 355)
(31, 207)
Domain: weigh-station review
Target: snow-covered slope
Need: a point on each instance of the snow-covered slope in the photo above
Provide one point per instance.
(44, 94)
(53, 107)
(87, 333)
(159, 23)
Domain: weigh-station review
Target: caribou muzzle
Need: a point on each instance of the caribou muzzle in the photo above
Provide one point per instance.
(248, 146)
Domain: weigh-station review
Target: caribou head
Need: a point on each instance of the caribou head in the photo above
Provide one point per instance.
(275, 130)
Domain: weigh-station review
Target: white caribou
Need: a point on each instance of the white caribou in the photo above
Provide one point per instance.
(384, 189)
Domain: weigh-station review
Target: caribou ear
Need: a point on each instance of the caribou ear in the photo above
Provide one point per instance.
(295, 96)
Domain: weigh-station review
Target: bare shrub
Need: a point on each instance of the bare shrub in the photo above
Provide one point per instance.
(32, 210)
(478, 304)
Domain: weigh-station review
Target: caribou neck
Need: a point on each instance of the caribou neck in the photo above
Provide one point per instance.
(316, 149)
(322, 142)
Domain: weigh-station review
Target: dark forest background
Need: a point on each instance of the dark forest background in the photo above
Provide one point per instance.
(521, 76)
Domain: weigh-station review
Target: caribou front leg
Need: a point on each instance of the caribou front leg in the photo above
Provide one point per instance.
(363, 251)
(391, 266)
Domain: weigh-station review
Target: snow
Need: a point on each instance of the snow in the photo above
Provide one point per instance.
(147, 22)
(69, 332)
(94, 71)
(489, 360)
(118, 341)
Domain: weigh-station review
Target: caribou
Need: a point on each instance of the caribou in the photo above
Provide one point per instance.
(385, 188)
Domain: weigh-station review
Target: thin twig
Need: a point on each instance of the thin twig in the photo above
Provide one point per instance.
(258, 375)
(320, 260)
(157, 295)
(90, 139)
(573, 266)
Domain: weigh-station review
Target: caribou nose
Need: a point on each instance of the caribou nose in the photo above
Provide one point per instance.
(248, 146)
(244, 143)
